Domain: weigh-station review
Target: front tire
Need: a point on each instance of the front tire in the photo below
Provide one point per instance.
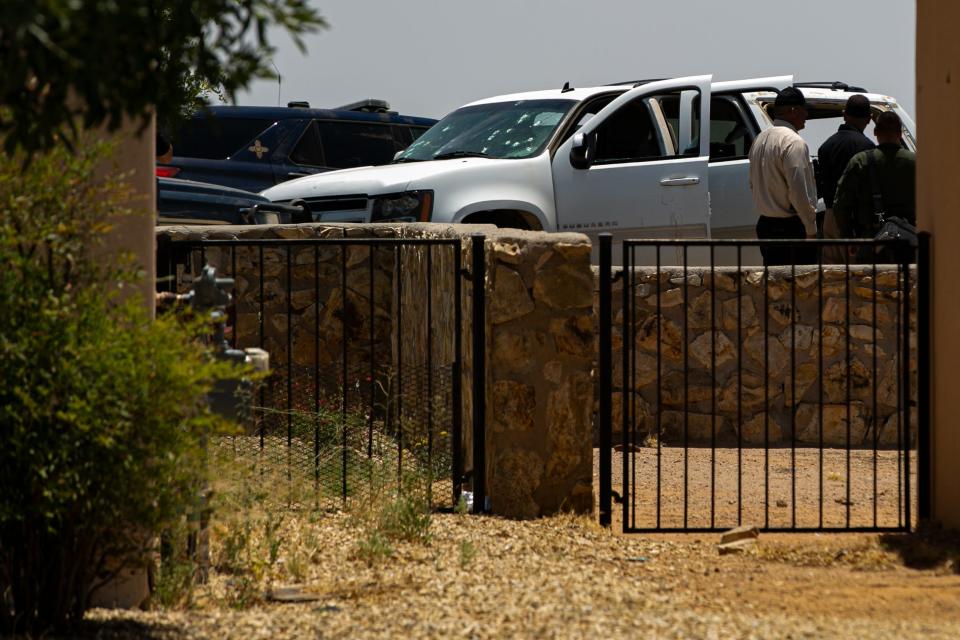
(501, 219)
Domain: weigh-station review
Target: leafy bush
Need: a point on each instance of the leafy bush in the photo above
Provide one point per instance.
(98, 62)
(102, 411)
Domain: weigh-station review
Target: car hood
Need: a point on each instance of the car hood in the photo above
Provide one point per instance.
(177, 186)
(389, 178)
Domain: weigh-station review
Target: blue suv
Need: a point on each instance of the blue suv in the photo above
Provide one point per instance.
(254, 148)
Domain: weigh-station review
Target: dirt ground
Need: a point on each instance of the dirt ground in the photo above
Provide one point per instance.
(565, 577)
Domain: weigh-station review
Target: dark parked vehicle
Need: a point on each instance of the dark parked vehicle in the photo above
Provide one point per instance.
(254, 148)
(189, 202)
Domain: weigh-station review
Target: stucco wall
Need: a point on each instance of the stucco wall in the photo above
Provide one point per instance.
(133, 235)
(938, 211)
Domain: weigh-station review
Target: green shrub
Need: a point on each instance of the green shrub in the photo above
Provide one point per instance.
(468, 551)
(102, 411)
(373, 548)
(407, 519)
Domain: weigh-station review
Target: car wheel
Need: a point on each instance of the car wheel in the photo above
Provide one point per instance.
(502, 219)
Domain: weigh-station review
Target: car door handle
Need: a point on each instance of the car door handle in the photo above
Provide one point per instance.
(680, 182)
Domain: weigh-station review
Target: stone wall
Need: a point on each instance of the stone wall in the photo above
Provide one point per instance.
(717, 339)
(541, 343)
(539, 330)
(540, 381)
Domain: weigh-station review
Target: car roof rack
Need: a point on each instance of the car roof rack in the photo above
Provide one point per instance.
(836, 85)
(368, 105)
(635, 83)
(298, 104)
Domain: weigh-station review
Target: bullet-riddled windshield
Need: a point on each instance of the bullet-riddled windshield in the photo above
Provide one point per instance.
(499, 130)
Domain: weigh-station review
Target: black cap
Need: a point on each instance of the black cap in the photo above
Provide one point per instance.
(857, 107)
(888, 122)
(790, 97)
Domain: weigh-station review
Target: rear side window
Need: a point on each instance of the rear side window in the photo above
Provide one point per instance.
(403, 135)
(416, 132)
(345, 144)
(730, 137)
(356, 144)
(309, 150)
(217, 138)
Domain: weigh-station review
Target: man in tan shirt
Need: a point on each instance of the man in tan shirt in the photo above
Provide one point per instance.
(782, 183)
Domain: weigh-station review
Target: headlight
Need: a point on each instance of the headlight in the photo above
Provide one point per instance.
(412, 206)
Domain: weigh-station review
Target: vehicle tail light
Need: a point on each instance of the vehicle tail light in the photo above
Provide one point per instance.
(167, 172)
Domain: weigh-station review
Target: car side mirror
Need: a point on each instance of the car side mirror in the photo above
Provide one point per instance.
(582, 150)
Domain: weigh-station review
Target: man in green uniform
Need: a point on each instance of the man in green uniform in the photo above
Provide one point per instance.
(878, 183)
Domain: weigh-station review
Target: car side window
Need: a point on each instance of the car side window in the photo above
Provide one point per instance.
(401, 137)
(672, 106)
(215, 138)
(355, 144)
(634, 133)
(309, 150)
(730, 137)
(584, 114)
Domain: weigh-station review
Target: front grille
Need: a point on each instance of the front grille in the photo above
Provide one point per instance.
(340, 203)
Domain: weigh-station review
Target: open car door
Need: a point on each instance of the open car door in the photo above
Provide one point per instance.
(638, 168)
(733, 127)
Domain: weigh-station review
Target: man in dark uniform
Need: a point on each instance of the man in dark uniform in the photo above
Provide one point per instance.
(833, 156)
(890, 171)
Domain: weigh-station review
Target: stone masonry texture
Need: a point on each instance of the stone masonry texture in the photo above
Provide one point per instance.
(746, 370)
(541, 332)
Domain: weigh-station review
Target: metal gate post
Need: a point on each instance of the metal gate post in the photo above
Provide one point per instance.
(457, 430)
(924, 493)
(905, 386)
(479, 333)
(606, 380)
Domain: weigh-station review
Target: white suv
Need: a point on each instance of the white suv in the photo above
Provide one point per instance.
(663, 158)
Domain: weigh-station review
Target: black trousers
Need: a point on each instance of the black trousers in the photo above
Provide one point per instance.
(784, 229)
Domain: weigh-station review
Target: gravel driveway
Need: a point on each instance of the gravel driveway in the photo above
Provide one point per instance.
(794, 485)
(564, 577)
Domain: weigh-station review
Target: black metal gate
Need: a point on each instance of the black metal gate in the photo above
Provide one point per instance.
(369, 350)
(791, 397)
